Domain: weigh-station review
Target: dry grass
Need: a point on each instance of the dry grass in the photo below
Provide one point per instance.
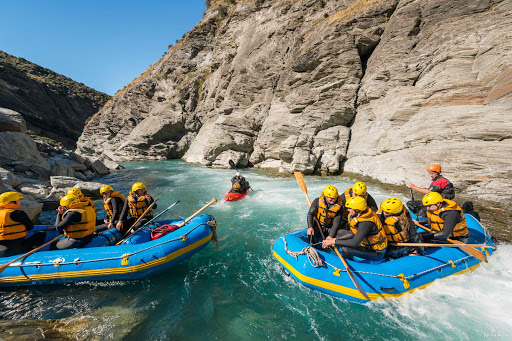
(354, 10)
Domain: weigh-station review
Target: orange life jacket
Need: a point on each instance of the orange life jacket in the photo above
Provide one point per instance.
(393, 230)
(10, 229)
(138, 205)
(107, 205)
(375, 240)
(86, 226)
(326, 215)
(437, 224)
(89, 202)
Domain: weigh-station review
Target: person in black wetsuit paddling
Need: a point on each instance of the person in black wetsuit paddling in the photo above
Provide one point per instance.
(113, 203)
(445, 218)
(243, 185)
(369, 240)
(328, 211)
(14, 224)
(136, 204)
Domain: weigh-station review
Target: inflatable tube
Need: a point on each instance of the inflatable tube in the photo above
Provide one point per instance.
(386, 278)
(137, 257)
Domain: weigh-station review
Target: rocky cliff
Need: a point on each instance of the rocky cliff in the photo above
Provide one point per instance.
(53, 106)
(374, 87)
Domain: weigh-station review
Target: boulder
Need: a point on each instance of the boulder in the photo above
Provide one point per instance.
(35, 190)
(80, 176)
(77, 158)
(9, 178)
(32, 208)
(61, 184)
(99, 167)
(20, 147)
(22, 166)
(11, 120)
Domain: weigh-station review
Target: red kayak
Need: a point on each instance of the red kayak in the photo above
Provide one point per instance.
(235, 196)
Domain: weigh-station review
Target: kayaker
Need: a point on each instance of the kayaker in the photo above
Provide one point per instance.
(113, 203)
(328, 211)
(445, 217)
(135, 205)
(467, 207)
(77, 220)
(359, 190)
(369, 240)
(439, 183)
(14, 224)
(236, 188)
(244, 184)
(399, 227)
(78, 193)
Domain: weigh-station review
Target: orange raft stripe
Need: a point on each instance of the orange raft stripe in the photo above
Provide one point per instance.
(349, 291)
(108, 271)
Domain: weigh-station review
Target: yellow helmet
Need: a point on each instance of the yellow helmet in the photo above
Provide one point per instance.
(356, 203)
(69, 200)
(7, 197)
(392, 205)
(359, 188)
(331, 192)
(74, 192)
(432, 198)
(236, 186)
(138, 185)
(106, 188)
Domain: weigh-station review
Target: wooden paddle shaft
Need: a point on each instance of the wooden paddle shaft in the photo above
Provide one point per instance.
(135, 223)
(441, 245)
(198, 211)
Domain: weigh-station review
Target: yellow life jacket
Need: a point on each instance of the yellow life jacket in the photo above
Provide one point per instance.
(375, 241)
(108, 206)
(10, 229)
(138, 205)
(86, 226)
(326, 215)
(437, 224)
(89, 202)
(393, 230)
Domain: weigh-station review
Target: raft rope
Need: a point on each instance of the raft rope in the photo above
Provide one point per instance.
(126, 255)
(313, 256)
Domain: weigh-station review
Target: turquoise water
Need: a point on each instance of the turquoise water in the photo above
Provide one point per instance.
(238, 290)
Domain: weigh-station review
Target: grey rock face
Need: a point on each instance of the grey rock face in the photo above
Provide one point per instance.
(379, 88)
(11, 120)
(21, 148)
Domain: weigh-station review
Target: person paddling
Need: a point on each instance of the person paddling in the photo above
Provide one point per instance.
(113, 203)
(399, 227)
(328, 211)
(77, 220)
(439, 183)
(445, 217)
(14, 224)
(239, 184)
(137, 202)
(369, 240)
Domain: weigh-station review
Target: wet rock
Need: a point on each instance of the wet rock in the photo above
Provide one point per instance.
(98, 167)
(11, 120)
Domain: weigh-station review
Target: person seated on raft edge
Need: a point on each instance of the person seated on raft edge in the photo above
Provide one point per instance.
(439, 184)
(14, 224)
(328, 211)
(445, 218)
(78, 193)
(136, 204)
(359, 190)
(399, 228)
(369, 240)
(113, 203)
(244, 184)
(77, 220)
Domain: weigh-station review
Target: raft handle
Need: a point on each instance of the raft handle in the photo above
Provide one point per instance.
(387, 289)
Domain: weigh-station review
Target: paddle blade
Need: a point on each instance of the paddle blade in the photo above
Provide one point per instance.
(471, 250)
(301, 182)
(232, 164)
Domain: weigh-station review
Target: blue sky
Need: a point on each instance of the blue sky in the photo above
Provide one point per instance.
(103, 44)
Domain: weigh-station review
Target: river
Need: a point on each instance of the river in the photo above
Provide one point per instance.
(237, 290)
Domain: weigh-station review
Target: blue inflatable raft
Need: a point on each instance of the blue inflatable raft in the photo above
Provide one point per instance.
(100, 260)
(386, 278)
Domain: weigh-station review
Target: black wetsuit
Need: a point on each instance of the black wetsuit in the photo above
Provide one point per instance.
(71, 217)
(327, 230)
(21, 245)
(128, 222)
(117, 207)
(244, 184)
(352, 246)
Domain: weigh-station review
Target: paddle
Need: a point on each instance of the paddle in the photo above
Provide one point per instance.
(135, 223)
(197, 212)
(5, 266)
(302, 185)
(440, 245)
(232, 164)
(143, 226)
(471, 250)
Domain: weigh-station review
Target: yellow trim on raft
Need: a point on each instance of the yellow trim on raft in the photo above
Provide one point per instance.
(349, 291)
(108, 271)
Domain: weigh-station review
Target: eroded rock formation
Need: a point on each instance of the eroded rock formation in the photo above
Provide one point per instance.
(375, 87)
